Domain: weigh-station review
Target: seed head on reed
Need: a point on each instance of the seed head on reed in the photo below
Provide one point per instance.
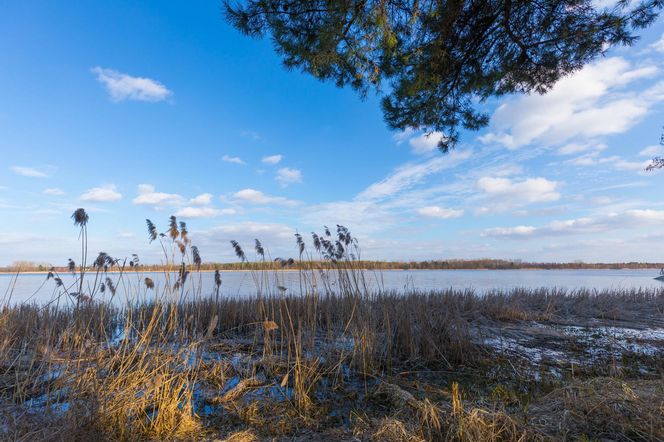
(217, 279)
(110, 285)
(182, 247)
(340, 251)
(149, 283)
(80, 217)
(344, 235)
(316, 240)
(101, 261)
(196, 257)
(284, 262)
(300, 243)
(152, 230)
(259, 249)
(238, 251)
(183, 273)
(184, 232)
(173, 231)
(71, 266)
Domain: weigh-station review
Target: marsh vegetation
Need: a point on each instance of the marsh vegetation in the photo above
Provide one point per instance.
(330, 362)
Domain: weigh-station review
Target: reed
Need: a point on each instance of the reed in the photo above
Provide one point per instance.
(335, 360)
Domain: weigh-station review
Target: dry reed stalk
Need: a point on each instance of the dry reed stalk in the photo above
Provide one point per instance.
(238, 391)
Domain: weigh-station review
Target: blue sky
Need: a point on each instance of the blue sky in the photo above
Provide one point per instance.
(139, 110)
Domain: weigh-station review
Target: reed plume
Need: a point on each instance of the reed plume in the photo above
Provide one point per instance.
(152, 230)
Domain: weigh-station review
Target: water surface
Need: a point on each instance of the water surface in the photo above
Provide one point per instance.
(34, 287)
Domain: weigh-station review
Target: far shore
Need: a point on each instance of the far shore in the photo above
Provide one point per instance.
(295, 270)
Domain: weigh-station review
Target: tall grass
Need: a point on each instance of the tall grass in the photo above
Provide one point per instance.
(86, 365)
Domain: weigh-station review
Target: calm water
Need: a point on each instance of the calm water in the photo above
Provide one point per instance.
(32, 287)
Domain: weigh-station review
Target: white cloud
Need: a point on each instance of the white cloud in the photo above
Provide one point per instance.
(101, 194)
(584, 105)
(147, 195)
(402, 136)
(276, 238)
(122, 87)
(629, 219)
(410, 174)
(53, 191)
(201, 200)
(652, 151)
(615, 162)
(425, 143)
(439, 212)
(576, 148)
(272, 159)
(633, 166)
(253, 196)
(286, 176)
(253, 135)
(510, 231)
(362, 217)
(203, 212)
(234, 160)
(28, 171)
(658, 45)
(531, 190)
(602, 200)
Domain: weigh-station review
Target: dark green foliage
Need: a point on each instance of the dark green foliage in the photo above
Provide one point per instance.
(434, 60)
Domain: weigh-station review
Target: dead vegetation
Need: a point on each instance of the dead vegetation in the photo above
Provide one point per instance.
(329, 363)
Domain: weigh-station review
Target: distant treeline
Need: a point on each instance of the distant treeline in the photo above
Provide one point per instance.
(454, 264)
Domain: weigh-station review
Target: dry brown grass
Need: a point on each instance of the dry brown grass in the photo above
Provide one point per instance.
(306, 364)
(603, 408)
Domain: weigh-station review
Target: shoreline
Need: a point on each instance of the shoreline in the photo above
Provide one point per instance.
(175, 270)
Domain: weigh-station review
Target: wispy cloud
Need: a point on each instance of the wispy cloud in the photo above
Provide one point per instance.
(363, 217)
(286, 176)
(277, 237)
(658, 45)
(28, 172)
(122, 87)
(252, 135)
(106, 193)
(652, 151)
(408, 175)
(203, 212)
(233, 160)
(53, 191)
(577, 148)
(147, 195)
(628, 219)
(253, 196)
(272, 159)
(439, 212)
(615, 162)
(404, 135)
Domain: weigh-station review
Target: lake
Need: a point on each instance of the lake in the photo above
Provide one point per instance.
(34, 287)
